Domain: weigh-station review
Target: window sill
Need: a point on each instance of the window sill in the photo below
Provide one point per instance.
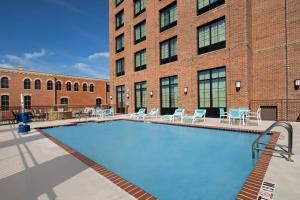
(140, 12)
(120, 50)
(162, 29)
(139, 68)
(214, 47)
(140, 40)
(210, 7)
(169, 60)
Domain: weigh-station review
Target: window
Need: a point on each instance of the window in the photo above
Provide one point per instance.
(118, 2)
(140, 95)
(27, 102)
(84, 87)
(140, 60)
(76, 87)
(58, 85)
(120, 43)
(37, 84)
(92, 88)
(212, 90)
(120, 99)
(168, 51)
(64, 101)
(4, 102)
(98, 102)
(120, 19)
(27, 84)
(211, 36)
(140, 32)
(107, 87)
(120, 64)
(206, 5)
(49, 85)
(139, 7)
(168, 17)
(169, 94)
(4, 82)
(68, 86)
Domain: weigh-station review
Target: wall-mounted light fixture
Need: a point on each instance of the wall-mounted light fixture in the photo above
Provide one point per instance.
(151, 94)
(110, 97)
(238, 85)
(297, 84)
(185, 90)
(127, 95)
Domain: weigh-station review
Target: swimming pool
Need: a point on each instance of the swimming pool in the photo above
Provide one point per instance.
(170, 162)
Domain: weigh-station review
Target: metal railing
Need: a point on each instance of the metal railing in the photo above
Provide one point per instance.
(283, 149)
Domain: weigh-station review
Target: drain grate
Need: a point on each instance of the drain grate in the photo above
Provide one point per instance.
(266, 191)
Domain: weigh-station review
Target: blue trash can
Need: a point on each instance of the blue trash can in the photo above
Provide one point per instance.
(23, 128)
(23, 117)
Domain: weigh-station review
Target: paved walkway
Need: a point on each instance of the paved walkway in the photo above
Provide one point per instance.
(32, 167)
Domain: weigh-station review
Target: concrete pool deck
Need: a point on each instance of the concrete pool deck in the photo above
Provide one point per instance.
(33, 167)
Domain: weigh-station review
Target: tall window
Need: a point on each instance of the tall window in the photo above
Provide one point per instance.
(58, 85)
(211, 36)
(120, 43)
(140, 95)
(68, 86)
(98, 102)
(168, 50)
(84, 87)
(64, 101)
(76, 87)
(49, 85)
(121, 99)
(140, 32)
(140, 60)
(212, 89)
(139, 7)
(27, 102)
(169, 94)
(206, 5)
(120, 65)
(168, 17)
(4, 82)
(120, 19)
(118, 2)
(91, 87)
(4, 102)
(37, 84)
(107, 87)
(27, 84)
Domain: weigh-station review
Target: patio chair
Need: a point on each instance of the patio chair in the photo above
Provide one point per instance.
(151, 114)
(223, 114)
(234, 114)
(140, 113)
(198, 114)
(179, 112)
(256, 115)
(109, 112)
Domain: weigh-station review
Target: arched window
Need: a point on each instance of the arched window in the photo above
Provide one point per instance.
(58, 85)
(27, 102)
(49, 85)
(91, 88)
(4, 102)
(84, 87)
(27, 84)
(64, 101)
(4, 82)
(37, 84)
(98, 102)
(76, 87)
(68, 86)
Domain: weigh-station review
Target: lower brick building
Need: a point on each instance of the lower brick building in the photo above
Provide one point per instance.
(206, 54)
(47, 89)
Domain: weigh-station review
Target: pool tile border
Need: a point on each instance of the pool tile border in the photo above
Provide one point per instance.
(249, 191)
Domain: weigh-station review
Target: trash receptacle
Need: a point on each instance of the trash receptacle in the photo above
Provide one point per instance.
(23, 117)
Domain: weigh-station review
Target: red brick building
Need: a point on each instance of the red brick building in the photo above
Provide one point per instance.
(206, 54)
(46, 89)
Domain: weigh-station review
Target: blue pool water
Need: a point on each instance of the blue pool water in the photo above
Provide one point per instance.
(170, 162)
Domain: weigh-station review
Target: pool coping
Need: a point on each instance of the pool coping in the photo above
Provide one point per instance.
(249, 190)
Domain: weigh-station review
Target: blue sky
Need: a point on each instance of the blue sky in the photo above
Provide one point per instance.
(59, 36)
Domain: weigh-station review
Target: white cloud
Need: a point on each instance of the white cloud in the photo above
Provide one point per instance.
(26, 59)
(99, 55)
(34, 55)
(81, 66)
(6, 65)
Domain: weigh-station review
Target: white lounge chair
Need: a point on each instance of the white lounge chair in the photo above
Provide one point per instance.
(140, 113)
(152, 114)
(179, 113)
(198, 114)
(255, 115)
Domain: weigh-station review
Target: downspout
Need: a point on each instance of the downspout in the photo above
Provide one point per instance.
(55, 92)
(286, 61)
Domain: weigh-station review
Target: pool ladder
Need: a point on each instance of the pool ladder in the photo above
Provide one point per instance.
(284, 151)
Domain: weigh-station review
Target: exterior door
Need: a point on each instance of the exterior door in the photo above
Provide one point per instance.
(121, 99)
(140, 95)
(212, 90)
(168, 94)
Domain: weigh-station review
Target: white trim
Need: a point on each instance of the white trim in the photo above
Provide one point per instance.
(5, 76)
(49, 80)
(84, 83)
(58, 81)
(2, 94)
(38, 79)
(27, 94)
(64, 97)
(76, 82)
(69, 81)
(27, 78)
(92, 83)
(99, 98)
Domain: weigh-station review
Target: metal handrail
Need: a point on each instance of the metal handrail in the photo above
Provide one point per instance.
(282, 151)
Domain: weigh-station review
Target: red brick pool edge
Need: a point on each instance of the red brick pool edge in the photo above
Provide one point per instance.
(249, 190)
